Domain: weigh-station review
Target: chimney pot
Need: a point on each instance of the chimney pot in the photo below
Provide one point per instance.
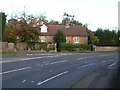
(67, 24)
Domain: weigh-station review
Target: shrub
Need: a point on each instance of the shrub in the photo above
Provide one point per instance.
(31, 45)
(71, 47)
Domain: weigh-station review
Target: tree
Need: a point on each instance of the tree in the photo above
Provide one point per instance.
(30, 19)
(75, 22)
(3, 20)
(9, 34)
(42, 19)
(27, 33)
(71, 18)
(107, 37)
(52, 22)
(59, 38)
(94, 40)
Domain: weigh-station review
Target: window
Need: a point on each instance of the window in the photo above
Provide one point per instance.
(41, 39)
(76, 39)
(66, 39)
(43, 28)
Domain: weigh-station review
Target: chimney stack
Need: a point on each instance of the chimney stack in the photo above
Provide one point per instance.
(67, 24)
(35, 22)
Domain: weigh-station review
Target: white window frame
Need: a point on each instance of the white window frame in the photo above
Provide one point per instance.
(66, 39)
(76, 39)
(41, 39)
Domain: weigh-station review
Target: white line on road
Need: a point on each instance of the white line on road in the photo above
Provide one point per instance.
(31, 58)
(106, 55)
(24, 81)
(112, 64)
(81, 58)
(38, 64)
(107, 60)
(84, 58)
(39, 83)
(15, 70)
(84, 66)
(32, 81)
(59, 62)
(50, 70)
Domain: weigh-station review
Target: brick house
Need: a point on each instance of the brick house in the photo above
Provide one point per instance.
(74, 34)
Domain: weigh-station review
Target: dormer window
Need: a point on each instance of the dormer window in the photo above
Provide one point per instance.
(43, 28)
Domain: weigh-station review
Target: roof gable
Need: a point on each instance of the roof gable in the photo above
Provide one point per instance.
(72, 31)
(43, 28)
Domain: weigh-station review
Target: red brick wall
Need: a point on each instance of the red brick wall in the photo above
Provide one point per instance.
(70, 39)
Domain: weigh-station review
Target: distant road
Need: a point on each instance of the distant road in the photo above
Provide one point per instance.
(73, 70)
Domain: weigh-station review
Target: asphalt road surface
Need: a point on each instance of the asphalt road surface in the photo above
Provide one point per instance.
(73, 70)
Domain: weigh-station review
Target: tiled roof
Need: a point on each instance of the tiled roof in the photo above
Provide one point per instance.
(72, 31)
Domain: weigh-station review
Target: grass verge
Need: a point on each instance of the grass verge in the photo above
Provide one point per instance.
(8, 53)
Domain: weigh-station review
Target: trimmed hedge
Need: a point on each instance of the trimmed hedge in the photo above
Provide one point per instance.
(43, 46)
(72, 47)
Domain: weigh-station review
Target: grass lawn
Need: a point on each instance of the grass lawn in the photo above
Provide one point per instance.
(8, 53)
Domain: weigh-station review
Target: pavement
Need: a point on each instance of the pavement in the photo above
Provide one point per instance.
(30, 56)
(61, 70)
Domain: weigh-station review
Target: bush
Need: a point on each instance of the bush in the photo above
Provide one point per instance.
(31, 45)
(71, 47)
(43, 46)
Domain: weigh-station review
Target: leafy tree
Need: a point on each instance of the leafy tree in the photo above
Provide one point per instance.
(30, 19)
(52, 22)
(75, 22)
(86, 26)
(27, 33)
(10, 35)
(3, 17)
(94, 40)
(59, 38)
(119, 37)
(107, 37)
(42, 19)
(71, 18)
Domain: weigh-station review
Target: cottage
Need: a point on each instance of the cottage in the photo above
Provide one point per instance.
(74, 34)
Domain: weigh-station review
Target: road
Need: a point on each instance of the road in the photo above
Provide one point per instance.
(72, 70)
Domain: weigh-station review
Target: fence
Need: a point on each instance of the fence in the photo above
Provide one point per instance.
(106, 48)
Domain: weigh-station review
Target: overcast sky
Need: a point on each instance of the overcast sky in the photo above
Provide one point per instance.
(96, 13)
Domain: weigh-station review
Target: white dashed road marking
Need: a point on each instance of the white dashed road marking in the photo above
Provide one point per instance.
(39, 83)
(15, 70)
(106, 55)
(107, 60)
(84, 66)
(24, 81)
(112, 64)
(84, 58)
(59, 62)
(50, 70)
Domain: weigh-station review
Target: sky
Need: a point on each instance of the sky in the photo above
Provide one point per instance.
(96, 13)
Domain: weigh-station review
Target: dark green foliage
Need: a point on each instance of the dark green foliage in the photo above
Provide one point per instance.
(71, 47)
(107, 37)
(93, 40)
(3, 19)
(59, 38)
(71, 18)
(31, 45)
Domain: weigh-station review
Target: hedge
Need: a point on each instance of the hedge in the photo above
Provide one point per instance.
(43, 46)
(71, 47)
